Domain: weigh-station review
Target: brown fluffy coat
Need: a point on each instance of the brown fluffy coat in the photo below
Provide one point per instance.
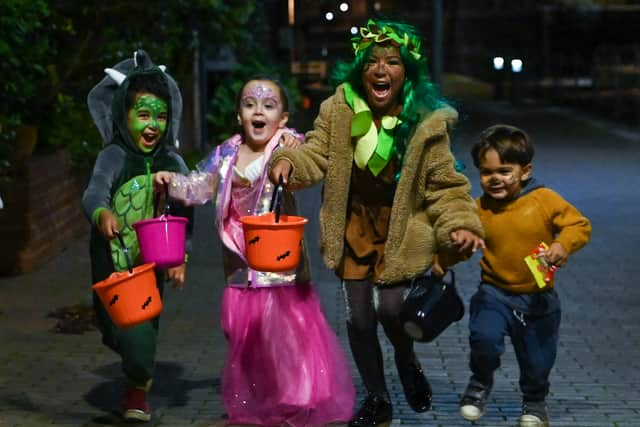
(431, 199)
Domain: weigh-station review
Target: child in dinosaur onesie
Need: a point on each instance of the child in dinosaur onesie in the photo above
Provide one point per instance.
(137, 109)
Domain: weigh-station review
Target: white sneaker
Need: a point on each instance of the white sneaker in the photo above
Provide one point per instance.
(534, 414)
(471, 412)
(474, 400)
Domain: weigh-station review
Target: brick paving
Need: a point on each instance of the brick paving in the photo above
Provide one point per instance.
(49, 378)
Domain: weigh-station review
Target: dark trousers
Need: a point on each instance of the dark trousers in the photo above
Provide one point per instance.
(136, 345)
(534, 339)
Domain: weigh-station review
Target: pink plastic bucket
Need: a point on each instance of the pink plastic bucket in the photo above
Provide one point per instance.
(162, 240)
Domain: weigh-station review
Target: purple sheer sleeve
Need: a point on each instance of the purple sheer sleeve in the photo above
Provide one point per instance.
(199, 186)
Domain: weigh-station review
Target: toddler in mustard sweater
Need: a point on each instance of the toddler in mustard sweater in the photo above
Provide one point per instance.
(518, 214)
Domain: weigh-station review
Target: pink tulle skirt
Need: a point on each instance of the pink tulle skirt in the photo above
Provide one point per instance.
(284, 363)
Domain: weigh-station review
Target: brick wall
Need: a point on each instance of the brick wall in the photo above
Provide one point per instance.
(42, 212)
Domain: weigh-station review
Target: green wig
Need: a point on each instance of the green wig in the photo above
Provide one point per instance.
(419, 96)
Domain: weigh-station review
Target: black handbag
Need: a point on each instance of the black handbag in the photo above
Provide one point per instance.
(431, 305)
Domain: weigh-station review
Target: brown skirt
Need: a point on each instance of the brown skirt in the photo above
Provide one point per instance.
(367, 225)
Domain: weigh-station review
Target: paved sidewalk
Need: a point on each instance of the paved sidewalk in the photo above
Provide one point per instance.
(48, 378)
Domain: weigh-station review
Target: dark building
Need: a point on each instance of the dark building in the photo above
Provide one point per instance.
(572, 51)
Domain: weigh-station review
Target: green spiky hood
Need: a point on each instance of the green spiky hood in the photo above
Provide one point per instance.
(120, 111)
(108, 106)
(107, 98)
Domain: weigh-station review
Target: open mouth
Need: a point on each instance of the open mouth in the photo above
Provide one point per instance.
(149, 139)
(258, 124)
(380, 89)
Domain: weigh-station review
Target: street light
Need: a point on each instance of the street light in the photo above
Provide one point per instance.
(291, 6)
(328, 16)
(344, 6)
(516, 65)
(516, 84)
(354, 30)
(498, 84)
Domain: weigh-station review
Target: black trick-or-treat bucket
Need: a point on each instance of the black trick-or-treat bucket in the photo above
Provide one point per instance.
(431, 305)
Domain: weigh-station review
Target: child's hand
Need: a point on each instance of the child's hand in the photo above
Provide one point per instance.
(556, 254)
(466, 241)
(160, 179)
(176, 275)
(289, 140)
(108, 224)
(436, 268)
(281, 167)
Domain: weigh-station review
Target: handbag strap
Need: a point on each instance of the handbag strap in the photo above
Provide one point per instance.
(414, 282)
(453, 276)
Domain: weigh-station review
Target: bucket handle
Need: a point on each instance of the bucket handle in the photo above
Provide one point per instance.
(125, 250)
(276, 198)
(156, 201)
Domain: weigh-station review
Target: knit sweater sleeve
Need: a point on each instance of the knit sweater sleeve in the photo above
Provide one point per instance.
(571, 229)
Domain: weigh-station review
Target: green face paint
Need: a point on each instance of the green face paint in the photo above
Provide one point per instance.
(147, 121)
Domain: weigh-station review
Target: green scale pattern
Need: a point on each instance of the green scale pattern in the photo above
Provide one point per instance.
(131, 203)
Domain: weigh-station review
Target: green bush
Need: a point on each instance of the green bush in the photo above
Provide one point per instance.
(71, 126)
(25, 50)
(53, 53)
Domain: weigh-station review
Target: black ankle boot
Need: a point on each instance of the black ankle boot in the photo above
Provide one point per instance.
(417, 389)
(374, 410)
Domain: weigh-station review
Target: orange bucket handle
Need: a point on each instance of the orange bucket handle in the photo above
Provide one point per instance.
(126, 252)
(276, 198)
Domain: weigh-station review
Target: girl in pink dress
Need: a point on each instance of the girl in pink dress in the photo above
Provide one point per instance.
(284, 364)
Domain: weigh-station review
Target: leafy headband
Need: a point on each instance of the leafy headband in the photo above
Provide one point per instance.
(372, 33)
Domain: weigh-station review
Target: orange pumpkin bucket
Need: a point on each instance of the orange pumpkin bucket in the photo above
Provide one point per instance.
(273, 242)
(130, 297)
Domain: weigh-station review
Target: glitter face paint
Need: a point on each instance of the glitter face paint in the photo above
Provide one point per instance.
(259, 92)
(261, 112)
(147, 121)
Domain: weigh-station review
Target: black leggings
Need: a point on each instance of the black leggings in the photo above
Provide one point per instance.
(365, 307)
